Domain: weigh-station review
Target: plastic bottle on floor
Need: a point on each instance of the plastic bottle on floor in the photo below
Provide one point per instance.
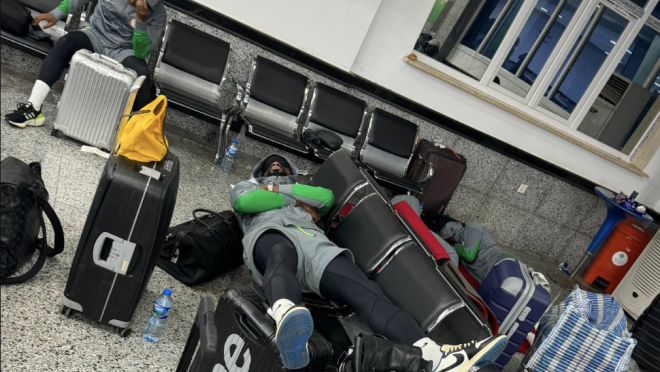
(228, 159)
(156, 322)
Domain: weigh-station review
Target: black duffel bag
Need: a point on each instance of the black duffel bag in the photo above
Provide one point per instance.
(15, 18)
(322, 139)
(204, 248)
(24, 198)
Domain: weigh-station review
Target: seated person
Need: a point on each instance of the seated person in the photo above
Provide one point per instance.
(124, 30)
(475, 246)
(414, 204)
(287, 254)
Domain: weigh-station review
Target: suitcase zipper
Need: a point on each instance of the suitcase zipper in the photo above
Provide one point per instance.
(175, 256)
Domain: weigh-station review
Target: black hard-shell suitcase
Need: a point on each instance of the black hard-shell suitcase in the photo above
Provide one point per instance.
(448, 170)
(124, 232)
(244, 338)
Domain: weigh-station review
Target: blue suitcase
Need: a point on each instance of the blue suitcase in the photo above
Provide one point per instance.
(516, 300)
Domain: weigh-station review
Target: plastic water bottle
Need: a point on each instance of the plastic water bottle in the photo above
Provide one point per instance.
(228, 159)
(156, 322)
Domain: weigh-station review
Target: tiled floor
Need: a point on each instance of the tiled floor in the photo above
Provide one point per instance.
(35, 337)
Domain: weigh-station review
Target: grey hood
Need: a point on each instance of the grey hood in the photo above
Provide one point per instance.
(257, 177)
(454, 229)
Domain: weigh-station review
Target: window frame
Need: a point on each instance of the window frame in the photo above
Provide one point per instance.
(530, 104)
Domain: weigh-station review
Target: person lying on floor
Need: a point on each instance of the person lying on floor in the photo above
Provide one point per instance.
(124, 30)
(287, 254)
(475, 246)
(478, 250)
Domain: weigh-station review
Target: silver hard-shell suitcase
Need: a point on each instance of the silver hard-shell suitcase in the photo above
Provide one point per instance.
(97, 93)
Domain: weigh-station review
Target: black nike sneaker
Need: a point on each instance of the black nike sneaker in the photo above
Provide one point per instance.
(25, 115)
(460, 358)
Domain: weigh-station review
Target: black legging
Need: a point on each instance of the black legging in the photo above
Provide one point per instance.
(342, 282)
(59, 57)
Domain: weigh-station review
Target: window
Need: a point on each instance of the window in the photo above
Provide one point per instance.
(596, 41)
(589, 68)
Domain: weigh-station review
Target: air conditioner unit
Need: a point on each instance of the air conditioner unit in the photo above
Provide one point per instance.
(615, 111)
(642, 282)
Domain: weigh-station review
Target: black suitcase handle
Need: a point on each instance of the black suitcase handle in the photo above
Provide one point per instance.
(249, 319)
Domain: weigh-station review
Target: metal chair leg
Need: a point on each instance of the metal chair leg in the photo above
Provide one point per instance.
(227, 127)
(218, 153)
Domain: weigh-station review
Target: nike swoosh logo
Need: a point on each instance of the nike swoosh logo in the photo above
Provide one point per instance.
(459, 360)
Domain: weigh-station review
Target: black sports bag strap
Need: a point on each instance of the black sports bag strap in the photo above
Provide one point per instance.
(208, 212)
(57, 229)
(54, 221)
(40, 261)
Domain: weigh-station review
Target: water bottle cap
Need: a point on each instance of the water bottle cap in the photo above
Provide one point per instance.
(167, 292)
(234, 141)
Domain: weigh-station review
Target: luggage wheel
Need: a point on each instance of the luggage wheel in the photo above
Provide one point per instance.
(66, 311)
(56, 133)
(125, 332)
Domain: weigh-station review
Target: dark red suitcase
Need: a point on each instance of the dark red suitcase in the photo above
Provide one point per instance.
(122, 238)
(449, 168)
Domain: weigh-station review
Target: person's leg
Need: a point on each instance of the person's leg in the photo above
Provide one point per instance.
(342, 281)
(60, 55)
(51, 69)
(276, 257)
(142, 69)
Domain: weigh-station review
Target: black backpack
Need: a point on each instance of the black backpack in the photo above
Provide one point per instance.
(24, 198)
(204, 248)
(15, 18)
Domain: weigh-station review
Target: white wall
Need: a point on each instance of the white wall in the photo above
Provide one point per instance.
(391, 37)
(331, 30)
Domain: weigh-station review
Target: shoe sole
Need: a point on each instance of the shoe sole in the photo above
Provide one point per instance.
(294, 331)
(487, 355)
(36, 122)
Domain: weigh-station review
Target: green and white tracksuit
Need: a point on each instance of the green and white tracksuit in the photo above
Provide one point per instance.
(260, 211)
(475, 246)
(114, 30)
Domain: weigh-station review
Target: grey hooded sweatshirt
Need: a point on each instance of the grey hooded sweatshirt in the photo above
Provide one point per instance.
(114, 30)
(477, 248)
(314, 249)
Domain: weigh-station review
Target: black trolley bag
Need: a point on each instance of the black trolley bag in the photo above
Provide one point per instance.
(240, 336)
(122, 238)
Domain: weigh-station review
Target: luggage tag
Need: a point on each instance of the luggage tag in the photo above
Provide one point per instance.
(96, 151)
(150, 172)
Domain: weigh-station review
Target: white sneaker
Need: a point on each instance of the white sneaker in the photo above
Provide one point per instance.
(293, 331)
(460, 358)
